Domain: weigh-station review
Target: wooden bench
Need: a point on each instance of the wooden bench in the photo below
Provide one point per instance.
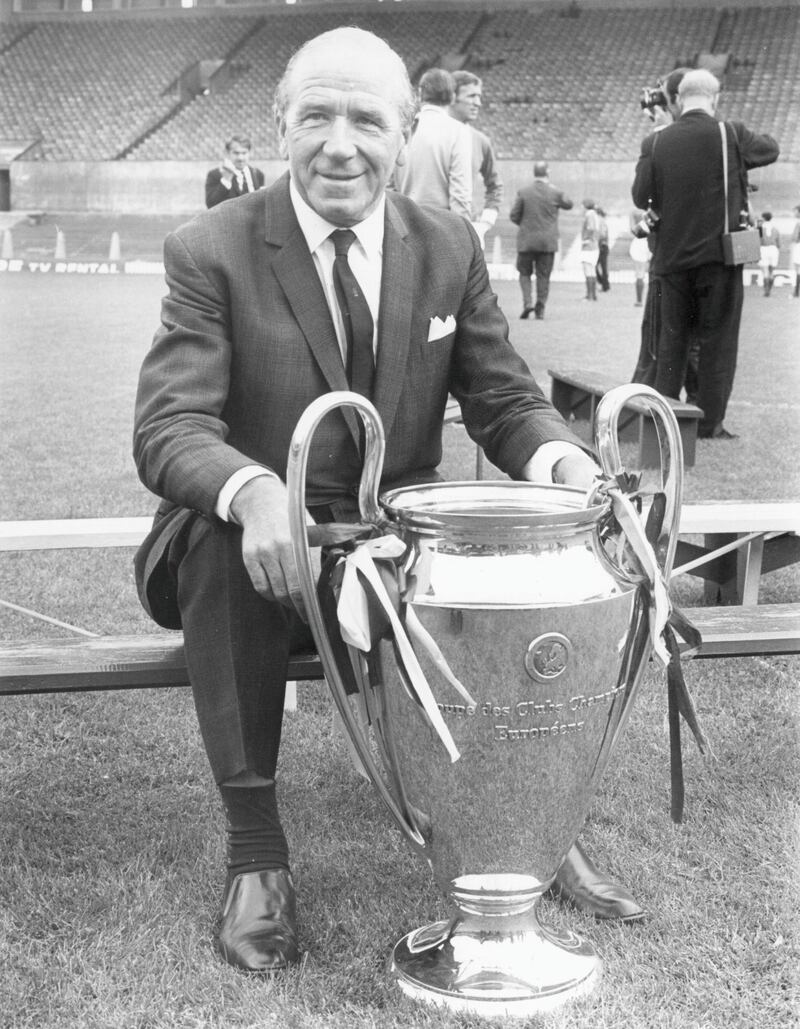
(576, 394)
(741, 541)
(157, 660)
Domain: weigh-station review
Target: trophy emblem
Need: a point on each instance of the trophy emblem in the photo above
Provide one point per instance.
(497, 633)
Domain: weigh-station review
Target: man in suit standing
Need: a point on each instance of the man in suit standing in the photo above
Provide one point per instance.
(680, 176)
(251, 333)
(235, 176)
(535, 211)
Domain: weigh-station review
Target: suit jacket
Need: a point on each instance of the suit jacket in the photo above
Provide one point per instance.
(216, 192)
(535, 211)
(679, 175)
(247, 342)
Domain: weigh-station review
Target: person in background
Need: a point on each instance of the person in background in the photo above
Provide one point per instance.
(701, 295)
(795, 251)
(770, 250)
(590, 247)
(639, 252)
(465, 108)
(235, 176)
(601, 268)
(535, 212)
(324, 281)
(437, 171)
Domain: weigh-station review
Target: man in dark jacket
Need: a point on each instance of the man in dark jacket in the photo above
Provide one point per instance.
(680, 176)
(535, 211)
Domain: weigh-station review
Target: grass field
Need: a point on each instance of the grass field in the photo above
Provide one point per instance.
(110, 839)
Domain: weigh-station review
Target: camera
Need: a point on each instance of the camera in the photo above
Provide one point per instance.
(651, 98)
(647, 224)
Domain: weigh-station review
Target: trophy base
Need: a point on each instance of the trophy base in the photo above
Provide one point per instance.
(468, 966)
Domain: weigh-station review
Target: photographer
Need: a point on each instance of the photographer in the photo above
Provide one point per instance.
(680, 176)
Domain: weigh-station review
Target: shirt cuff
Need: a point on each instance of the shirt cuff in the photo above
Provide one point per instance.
(222, 508)
(541, 466)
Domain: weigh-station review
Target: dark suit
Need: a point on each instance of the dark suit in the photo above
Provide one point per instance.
(216, 192)
(246, 343)
(535, 212)
(679, 175)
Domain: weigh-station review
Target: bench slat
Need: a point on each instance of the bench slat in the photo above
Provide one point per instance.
(157, 660)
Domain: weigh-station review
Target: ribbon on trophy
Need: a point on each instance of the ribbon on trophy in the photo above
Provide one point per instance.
(635, 553)
(362, 593)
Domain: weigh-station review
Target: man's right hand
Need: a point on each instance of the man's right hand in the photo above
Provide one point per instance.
(261, 507)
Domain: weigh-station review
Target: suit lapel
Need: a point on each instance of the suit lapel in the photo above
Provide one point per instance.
(394, 324)
(294, 269)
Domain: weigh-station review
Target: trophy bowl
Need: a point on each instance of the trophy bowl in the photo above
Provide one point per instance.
(501, 642)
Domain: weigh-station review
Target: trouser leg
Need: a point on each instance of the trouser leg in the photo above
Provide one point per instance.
(676, 310)
(645, 370)
(720, 293)
(527, 290)
(544, 269)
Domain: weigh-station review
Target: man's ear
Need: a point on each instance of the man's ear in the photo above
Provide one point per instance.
(283, 148)
(400, 160)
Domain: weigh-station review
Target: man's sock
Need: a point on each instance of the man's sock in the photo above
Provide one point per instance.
(255, 838)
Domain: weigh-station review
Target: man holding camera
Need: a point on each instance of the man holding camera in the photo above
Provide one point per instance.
(679, 176)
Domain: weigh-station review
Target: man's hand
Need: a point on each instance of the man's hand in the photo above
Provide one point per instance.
(261, 507)
(576, 469)
(228, 170)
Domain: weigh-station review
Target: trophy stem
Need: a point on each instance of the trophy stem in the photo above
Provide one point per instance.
(494, 957)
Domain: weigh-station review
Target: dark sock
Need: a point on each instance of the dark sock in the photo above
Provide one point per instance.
(255, 838)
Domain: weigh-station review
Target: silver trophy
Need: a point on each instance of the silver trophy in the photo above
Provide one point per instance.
(497, 633)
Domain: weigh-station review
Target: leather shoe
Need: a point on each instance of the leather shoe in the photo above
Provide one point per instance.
(720, 432)
(525, 312)
(258, 931)
(590, 891)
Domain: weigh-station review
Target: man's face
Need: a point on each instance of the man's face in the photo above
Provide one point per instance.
(342, 131)
(238, 155)
(467, 104)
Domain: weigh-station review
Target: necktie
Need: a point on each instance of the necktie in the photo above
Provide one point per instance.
(358, 324)
(241, 182)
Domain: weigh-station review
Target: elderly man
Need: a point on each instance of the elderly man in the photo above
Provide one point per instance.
(679, 176)
(254, 328)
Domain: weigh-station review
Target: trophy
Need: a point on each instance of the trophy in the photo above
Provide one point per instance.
(496, 633)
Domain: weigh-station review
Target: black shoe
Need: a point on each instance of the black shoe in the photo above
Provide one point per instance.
(525, 312)
(719, 433)
(579, 883)
(258, 931)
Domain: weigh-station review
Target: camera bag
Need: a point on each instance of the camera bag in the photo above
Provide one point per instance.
(742, 245)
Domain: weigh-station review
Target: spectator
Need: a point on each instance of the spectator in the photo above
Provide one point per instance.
(700, 294)
(465, 108)
(590, 247)
(770, 249)
(535, 211)
(235, 176)
(256, 325)
(601, 268)
(437, 171)
(795, 251)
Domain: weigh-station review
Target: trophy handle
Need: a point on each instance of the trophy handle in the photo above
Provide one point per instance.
(671, 450)
(375, 446)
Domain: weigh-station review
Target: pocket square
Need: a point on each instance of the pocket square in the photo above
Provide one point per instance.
(439, 329)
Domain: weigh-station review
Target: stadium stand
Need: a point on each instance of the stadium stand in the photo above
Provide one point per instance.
(140, 88)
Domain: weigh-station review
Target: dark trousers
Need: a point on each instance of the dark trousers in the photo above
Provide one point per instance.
(601, 268)
(703, 305)
(542, 262)
(645, 370)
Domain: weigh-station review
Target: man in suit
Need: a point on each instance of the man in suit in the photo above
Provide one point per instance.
(680, 176)
(535, 211)
(235, 176)
(252, 332)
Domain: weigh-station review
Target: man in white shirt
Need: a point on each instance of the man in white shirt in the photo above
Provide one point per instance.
(251, 334)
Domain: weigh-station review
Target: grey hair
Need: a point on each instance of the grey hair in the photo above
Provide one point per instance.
(698, 82)
(406, 102)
